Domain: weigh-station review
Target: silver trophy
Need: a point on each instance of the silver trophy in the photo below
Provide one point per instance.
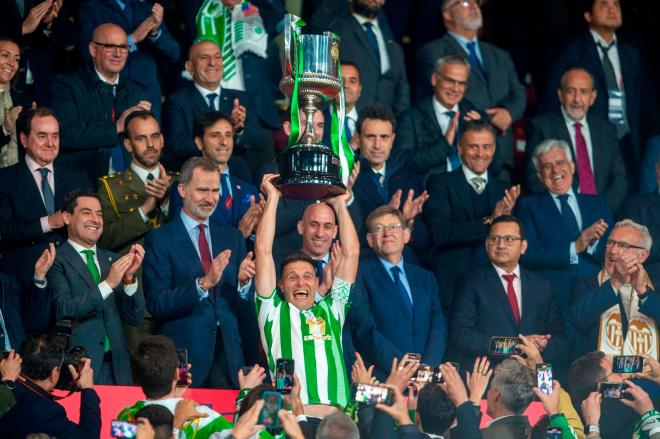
(310, 170)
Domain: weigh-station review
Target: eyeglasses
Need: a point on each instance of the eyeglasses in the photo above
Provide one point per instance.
(452, 82)
(463, 3)
(122, 48)
(622, 245)
(379, 228)
(507, 239)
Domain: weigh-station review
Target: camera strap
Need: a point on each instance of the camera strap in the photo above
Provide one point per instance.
(35, 388)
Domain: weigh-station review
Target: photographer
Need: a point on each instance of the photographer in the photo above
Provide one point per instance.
(36, 410)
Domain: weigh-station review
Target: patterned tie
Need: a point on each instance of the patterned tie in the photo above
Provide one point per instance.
(373, 41)
(226, 194)
(204, 252)
(94, 271)
(454, 158)
(49, 197)
(472, 53)
(228, 58)
(586, 176)
(479, 184)
(568, 217)
(511, 295)
(211, 98)
(403, 292)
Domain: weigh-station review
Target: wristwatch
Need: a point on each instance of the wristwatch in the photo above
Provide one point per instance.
(11, 385)
(592, 428)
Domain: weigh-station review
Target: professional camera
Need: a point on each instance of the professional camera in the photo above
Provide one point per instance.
(75, 356)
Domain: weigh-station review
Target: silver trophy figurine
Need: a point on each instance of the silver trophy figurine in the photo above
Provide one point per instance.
(309, 170)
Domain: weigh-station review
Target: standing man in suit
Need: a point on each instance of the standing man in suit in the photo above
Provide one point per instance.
(461, 206)
(203, 94)
(94, 102)
(504, 299)
(428, 132)
(594, 143)
(493, 84)
(191, 276)
(623, 86)
(352, 92)
(366, 41)
(392, 290)
(32, 193)
(566, 231)
(96, 289)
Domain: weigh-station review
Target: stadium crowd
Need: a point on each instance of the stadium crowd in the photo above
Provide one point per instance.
(498, 242)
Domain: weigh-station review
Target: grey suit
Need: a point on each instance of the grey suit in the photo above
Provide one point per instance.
(608, 166)
(77, 296)
(389, 89)
(500, 86)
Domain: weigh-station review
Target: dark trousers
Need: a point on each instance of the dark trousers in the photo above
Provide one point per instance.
(219, 376)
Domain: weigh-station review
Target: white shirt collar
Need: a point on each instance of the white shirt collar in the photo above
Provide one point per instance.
(79, 248)
(440, 108)
(362, 19)
(102, 78)
(380, 171)
(469, 174)
(598, 39)
(570, 192)
(570, 121)
(205, 91)
(143, 173)
(33, 165)
(501, 272)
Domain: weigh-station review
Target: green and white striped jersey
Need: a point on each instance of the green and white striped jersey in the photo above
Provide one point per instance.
(312, 338)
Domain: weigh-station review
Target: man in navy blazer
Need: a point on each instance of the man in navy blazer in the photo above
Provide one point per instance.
(504, 300)
(398, 303)
(566, 231)
(191, 276)
(27, 223)
(204, 94)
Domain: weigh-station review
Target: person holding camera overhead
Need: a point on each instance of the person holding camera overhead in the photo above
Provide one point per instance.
(36, 411)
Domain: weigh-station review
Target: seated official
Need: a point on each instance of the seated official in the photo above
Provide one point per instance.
(392, 290)
(504, 299)
(96, 289)
(36, 411)
(315, 343)
(352, 92)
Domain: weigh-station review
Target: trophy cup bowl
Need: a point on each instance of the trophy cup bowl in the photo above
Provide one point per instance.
(310, 170)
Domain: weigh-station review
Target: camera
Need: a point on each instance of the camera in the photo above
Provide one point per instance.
(75, 356)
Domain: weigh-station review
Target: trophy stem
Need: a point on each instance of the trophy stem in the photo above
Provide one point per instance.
(310, 108)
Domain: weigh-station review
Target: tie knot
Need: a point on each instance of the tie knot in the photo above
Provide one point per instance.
(89, 254)
(509, 277)
(578, 127)
(563, 198)
(43, 172)
(395, 271)
(450, 114)
(201, 228)
(212, 95)
(150, 176)
(606, 48)
(368, 25)
(470, 44)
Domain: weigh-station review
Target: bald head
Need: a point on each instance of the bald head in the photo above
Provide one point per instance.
(205, 64)
(318, 229)
(109, 50)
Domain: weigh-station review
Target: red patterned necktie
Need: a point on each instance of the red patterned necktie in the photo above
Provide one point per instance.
(585, 174)
(511, 295)
(204, 251)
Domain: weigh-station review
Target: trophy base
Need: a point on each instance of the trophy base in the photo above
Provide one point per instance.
(309, 172)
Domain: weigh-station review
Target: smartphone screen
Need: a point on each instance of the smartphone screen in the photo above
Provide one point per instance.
(122, 429)
(412, 358)
(424, 374)
(627, 364)
(368, 394)
(504, 346)
(612, 390)
(284, 368)
(544, 377)
(553, 433)
(272, 404)
(182, 366)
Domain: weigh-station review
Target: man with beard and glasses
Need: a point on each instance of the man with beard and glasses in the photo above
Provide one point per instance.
(493, 83)
(191, 273)
(366, 41)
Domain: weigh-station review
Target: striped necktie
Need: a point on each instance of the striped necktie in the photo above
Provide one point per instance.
(228, 58)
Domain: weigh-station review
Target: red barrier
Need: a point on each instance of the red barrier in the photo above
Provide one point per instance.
(115, 398)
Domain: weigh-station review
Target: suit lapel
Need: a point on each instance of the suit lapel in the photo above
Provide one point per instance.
(383, 277)
(591, 52)
(462, 189)
(500, 293)
(69, 254)
(527, 298)
(198, 101)
(596, 147)
(551, 211)
(105, 261)
(416, 288)
(362, 38)
(28, 187)
(560, 131)
(182, 242)
(430, 120)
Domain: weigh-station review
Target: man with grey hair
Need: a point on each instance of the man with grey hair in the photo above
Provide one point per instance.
(428, 133)
(190, 279)
(493, 82)
(337, 426)
(616, 310)
(566, 231)
(510, 392)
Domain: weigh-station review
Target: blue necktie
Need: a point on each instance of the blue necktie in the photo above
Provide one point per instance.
(454, 158)
(472, 53)
(403, 292)
(318, 267)
(568, 217)
(347, 129)
(373, 41)
(211, 98)
(49, 198)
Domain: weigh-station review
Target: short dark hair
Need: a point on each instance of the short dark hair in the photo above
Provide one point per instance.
(584, 375)
(139, 114)
(477, 125)
(206, 120)
(154, 365)
(160, 418)
(350, 64)
(189, 166)
(508, 219)
(24, 121)
(71, 199)
(41, 354)
(298, 256)
(253, 396)
(376, 112)
(436, 410)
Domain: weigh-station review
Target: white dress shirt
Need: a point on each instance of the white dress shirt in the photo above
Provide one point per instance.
(613, 54)
(586, 133)
(517, 286)
(444, 120)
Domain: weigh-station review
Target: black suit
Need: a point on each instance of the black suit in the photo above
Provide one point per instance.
(420, 143)
(77, 296)
(21, 207)
(84, 106)
(24, 310)
(608, 169)
(187, 103)
(390, 88)
(458, 233)
(481, 310)
(645, 209)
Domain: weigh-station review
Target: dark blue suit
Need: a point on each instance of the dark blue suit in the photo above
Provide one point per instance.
(390, 331)
(171, 267)
(481, 310)
(548, 252)
(24, 310)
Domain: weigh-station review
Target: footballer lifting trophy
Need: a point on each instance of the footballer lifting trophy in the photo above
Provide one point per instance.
(312, 78)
